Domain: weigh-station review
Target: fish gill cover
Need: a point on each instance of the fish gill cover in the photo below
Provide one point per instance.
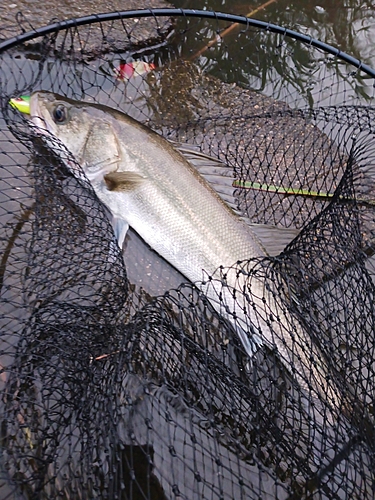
(119, 379)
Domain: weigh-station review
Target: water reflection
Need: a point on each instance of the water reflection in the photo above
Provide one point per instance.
(348, 25)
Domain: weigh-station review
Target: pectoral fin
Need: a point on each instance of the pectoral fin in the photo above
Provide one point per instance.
(123, 181)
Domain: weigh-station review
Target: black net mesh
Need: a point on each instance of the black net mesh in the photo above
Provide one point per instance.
(119, 379)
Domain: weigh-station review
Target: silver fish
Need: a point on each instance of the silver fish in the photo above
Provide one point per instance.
(147, 183)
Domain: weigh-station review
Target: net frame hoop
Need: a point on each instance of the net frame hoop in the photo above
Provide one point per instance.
(143, 13)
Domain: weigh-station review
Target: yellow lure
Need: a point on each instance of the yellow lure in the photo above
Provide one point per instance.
(21, 103)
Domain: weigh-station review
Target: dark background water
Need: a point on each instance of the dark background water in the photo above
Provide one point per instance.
(346, 24)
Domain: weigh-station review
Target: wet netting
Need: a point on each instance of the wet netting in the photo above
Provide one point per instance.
(119, 378)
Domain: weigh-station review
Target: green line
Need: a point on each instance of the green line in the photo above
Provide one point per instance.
(270, 188)
(281, 190)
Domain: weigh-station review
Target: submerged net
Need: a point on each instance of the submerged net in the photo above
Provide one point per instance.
(118, 377)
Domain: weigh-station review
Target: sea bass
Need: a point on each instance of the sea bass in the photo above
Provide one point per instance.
(147, 183)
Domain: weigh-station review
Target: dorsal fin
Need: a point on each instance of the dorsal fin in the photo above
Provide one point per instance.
(216, 173)
(272, 238)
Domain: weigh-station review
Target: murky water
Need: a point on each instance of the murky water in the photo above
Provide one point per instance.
(346, 24)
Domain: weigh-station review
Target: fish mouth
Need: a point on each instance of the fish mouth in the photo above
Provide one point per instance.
(36, 116)
(43, 126)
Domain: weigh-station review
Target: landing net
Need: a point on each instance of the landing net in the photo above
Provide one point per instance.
(118, 377)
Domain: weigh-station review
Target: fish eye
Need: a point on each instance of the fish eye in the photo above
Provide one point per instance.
(60, 114)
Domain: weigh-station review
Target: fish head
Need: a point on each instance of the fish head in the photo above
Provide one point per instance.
(84, 129)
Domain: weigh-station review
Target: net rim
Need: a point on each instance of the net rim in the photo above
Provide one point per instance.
(163, 12)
